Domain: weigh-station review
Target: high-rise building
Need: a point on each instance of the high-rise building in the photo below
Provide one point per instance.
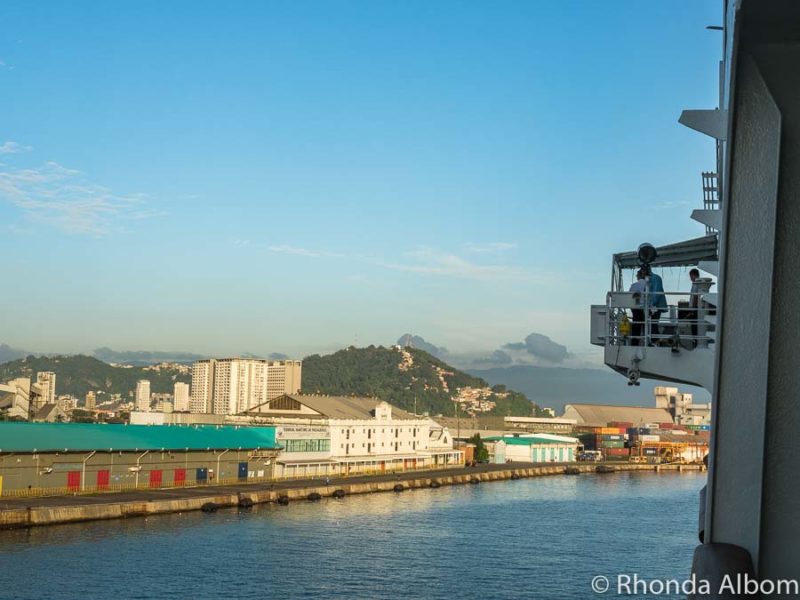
(91, 401)
(234, 385)
(143, 395)
(283, 377)
(181, 397)
(202, 392)
(47, 383)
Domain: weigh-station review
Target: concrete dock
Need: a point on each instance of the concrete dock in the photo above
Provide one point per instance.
(53, 510)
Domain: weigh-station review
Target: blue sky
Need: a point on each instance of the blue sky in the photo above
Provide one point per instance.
(299, 176)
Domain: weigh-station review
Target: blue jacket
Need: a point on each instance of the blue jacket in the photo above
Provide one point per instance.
(658, 301)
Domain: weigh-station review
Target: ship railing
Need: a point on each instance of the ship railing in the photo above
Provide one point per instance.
(632, 319)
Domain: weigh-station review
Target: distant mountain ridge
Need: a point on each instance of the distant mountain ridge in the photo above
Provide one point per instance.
(78, 374)
(556, 386)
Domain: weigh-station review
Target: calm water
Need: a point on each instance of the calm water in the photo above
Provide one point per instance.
(535, 538)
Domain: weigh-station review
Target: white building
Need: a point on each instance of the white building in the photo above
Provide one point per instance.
(232, 386)
(202, 391)
(180, 395)
(533, 448)
(47, 383)
(19, 397)
(682, 407)
(339, 435)
(143, 395)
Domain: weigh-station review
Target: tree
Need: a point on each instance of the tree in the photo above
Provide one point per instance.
(481, 452)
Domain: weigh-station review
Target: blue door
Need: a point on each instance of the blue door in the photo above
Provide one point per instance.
(242, 471)
(202, 475)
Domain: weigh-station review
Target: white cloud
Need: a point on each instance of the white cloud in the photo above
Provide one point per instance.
(62, 197)
(488, 247)
(429, 261)
(294, 250)
(13, 148)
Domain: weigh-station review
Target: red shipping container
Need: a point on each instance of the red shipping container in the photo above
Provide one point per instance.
(73, 481)
(180, 477)
(616, 451)
(103, 478)
(155, 478)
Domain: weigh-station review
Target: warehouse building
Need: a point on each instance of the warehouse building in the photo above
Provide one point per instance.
(599, 415)
(343, 435)
(532, 448)
(57, 458)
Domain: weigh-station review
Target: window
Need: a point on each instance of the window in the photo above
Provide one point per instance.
(323, 445)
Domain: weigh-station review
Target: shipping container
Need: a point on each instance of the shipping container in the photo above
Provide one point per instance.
(615, 436)
(650, 451)
(616, 451)
(612, 444)
(650, 438)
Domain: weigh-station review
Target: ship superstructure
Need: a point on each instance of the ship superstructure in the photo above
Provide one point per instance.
(741, 342)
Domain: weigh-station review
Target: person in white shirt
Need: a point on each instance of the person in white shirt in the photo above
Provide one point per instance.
(638, 289)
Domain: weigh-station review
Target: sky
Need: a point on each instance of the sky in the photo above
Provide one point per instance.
(296, 177)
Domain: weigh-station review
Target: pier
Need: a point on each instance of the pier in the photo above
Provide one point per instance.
(55, 510)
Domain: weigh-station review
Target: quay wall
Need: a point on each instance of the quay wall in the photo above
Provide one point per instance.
(53, 515)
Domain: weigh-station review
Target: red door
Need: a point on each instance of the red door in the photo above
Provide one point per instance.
(155, 478)
(103, 478)
(180, 477)
(73, 481)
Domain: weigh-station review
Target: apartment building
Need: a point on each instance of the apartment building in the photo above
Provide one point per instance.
(143, 395)
(180, 394)
(232, 386)
(682, 407)
(47, 382)
(91, 401)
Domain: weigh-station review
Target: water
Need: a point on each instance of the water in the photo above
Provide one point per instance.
(534, 538)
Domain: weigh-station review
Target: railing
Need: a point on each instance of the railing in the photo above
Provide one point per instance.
(631, 320)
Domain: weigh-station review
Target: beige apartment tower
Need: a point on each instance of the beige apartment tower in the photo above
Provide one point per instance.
(47, 383)
(180, 397)
(143, 395)
(234, 385)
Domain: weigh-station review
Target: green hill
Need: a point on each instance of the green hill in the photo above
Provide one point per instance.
(78, 374)
(403, 378)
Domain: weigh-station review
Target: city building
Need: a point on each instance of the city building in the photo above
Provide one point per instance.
(19, 397)
(340, 435)
(602, 414)
(681, 406)
(230, 386)
(202, 391)
(540, 424)
(91, 401)
(142, 395)
(51, 413)
(67, 403)
(180, 394)
(71, 457)
(528, 448)
(47, 383)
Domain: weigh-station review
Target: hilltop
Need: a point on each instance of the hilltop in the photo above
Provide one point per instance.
(78, 374)
(405, 376)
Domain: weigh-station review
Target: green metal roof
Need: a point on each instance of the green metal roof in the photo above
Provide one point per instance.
(26, 437)
(526, 441)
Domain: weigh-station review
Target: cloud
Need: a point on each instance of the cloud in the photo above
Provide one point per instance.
(541, 346)
(415, 341)
(294, 250)
(498, 358)
(429, 261)
(488, 247)
(64, 198)
(10, 147)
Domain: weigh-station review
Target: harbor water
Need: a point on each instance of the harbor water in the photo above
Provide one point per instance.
(544, 537)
